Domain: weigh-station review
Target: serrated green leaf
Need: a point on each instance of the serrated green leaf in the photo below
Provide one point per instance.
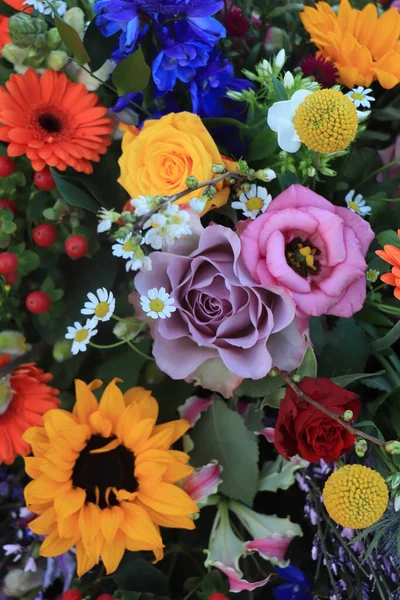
(71, 39)
(74, 195)
(132, 74)
(308, 365)
(97, 46)
(221, 435)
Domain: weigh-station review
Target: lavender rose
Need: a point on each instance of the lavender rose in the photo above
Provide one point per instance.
(222, 316)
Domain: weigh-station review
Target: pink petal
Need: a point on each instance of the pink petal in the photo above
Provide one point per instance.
(268, 433)
(203, 482)
(193, 407)
(271, 548)
(237, 584)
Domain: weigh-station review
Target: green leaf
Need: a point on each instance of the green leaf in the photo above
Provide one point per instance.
(27, 262)
(279, 88)
(345, 380)
(387, 340)
(279, 10)
(388, 237)
(74, 195)
(8, 227)
(259, 388)
(97, 46)
(71, 39)
(211, 122)
(222, 435)
(279, 474)
(262, 145)
(132, 74)
(37, 205)
(136, 573)
(308, 365)
(125, 363)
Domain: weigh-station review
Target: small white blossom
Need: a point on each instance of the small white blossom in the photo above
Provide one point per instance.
(140, 261)
(166, 227)
(101, 305)
(198, 205)
(362, 115)
(143, 205)
(31, 565)
(253, 202)
(357, 204)
(280, 119)
(280, 58)
(106, 219)
(266, 175)
(45, 9)
(288, 80)
(81, 334)
(359, 97)
(13, 549)
(158, 304)
(264, 68)
(125, 248)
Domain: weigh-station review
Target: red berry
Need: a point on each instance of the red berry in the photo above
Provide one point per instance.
(71, 595)
(11, 278)
(218, 596)
(76, 246)
(7, 166)
(45, 235)
(8, 263)
(10, 204)
(38, 302)
(44, 181)
(105, 597)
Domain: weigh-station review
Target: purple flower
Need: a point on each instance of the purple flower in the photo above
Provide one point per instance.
(222, 315)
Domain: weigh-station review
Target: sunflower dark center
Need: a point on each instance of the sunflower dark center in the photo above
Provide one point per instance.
(100, 474)
(50, 122)
(301, 256)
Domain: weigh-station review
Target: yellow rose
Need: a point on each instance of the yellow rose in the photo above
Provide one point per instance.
(157, 159)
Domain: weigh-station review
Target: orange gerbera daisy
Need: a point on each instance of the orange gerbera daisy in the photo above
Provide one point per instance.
(103, 477)
(4, 37)
(24, 398)
(391, 254)
(363, 46)
(53, 121)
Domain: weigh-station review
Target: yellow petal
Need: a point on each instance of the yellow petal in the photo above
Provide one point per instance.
(95, 384)
(43, 524)
(32, 466)
(135, 546)
(171, 521)
(89, 521)
(176, 472)
(149, 473)
(139, 434)
(54, 472)
(138, 525)
(161, 440)
(143, 398)
(180, 426)
(86, 402)
(128, 421)
(110, 521)
(112, 403)
(158, 555)
(68, 527)
(100, 425)
(67, 504)
(167, 499)
(57, 422)
(113, 552)
(61, 461)
(53, 545)
(85, 562)
(43, 489)
(38, 439)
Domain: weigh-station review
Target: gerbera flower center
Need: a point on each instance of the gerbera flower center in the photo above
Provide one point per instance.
(104, 473)
(81, 335)
(157, 305)
(101, 309)
(300, 255)
(254, 203)
(50, 122)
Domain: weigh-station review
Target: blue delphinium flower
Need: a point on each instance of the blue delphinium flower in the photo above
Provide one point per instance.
(178, 61)
(299, 586)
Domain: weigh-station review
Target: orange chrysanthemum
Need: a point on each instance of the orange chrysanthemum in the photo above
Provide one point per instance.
(363, 46)
(53, 121)
(103, 477)
(391, 254)
(24, 398)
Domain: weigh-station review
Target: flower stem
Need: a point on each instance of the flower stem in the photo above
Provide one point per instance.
(387, 166)
(139, 351)
(302, 396)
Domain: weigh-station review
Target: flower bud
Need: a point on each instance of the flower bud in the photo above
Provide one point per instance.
(53, 39)
(198, 205)
(328, 172)
(218, 169)
(57, 60)
(210, 192)
(14, 54)
(311, 171)
(76, 18)
(265, 175)
(233, 95)
(264, 68)
(372, 275)
(243, 167)
(348, 415)
(288, 80)
(392, 447)
(26, 31)
(5, 394)
(361, 448)
(62, 351)
(296, 378)
(280, 58)
(126, 329)
(192, 182)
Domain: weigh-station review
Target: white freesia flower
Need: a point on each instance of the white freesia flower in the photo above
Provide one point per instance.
(280, 119)
(101, 305)
(81, 334)
(158, 304)
(253, 202)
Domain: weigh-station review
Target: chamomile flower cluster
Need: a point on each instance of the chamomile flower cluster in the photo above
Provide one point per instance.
(99, 308)
(253, 202)
(166, 226)
(130, 249)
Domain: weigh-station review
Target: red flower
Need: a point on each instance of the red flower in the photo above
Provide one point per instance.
(236, 23)
(322, 70)
(305, 430)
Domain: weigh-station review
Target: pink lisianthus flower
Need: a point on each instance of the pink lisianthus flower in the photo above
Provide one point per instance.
(314, 249)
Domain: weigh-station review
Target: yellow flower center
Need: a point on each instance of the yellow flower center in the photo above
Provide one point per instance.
(354, 206)
(307, 253)
(254, 203)
(157, 305)
(101, 309)
(81, 335)
(357, 96)
(355, 496)
(326, 121)
(302, 257)
(128, 245)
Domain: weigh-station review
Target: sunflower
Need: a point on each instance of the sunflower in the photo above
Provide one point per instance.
(53, 121)
(362, 46)
(103, 477)
(24, 398)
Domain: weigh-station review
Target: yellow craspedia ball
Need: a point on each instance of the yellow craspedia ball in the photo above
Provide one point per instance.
(355, 496)
(326, 121)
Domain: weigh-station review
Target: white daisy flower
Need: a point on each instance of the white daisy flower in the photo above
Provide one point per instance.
(106, 219)
(357, 205)
(197, 205)
(253, 202)
(280, 119)
(158, 304)
(139, 262)
(101, 305)
(81, 334)
(166, 227)
(143, 205)
(359, 97)
(125, 248)
(45, 9)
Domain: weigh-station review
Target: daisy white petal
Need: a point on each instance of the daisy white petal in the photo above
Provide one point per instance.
(157, 304)
(101, 306)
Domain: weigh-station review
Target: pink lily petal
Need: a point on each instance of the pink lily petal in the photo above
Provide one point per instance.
(268, 433)
(237, 584)
(193, 407)
(271, 548)
(203, 482)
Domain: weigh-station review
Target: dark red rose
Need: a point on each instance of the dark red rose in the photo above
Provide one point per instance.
(305, 430)
(236, 23)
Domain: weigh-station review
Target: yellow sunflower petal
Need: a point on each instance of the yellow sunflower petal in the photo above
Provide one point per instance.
(68, 527)
(128, 421)
(143, 398)
(95, 384)
(43, 488)
(179, 427)
(110, 521)
(84, 561)
(43, 524)
(32, 466)
(86, 402)
(113, 552)
(100, 425)
(67, 504)
(161, 440)
(176, 472)
(57, 422)
(112, 403)
(60, 461)
(53, 545)
(38, 440)
(149, 473)
(138, 525)
(54, 472)
(167, 499)
(139, 434)
(158, 555)
(89, 520)
(180, 521)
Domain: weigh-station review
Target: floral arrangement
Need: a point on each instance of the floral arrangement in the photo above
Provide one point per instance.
(199, 299)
